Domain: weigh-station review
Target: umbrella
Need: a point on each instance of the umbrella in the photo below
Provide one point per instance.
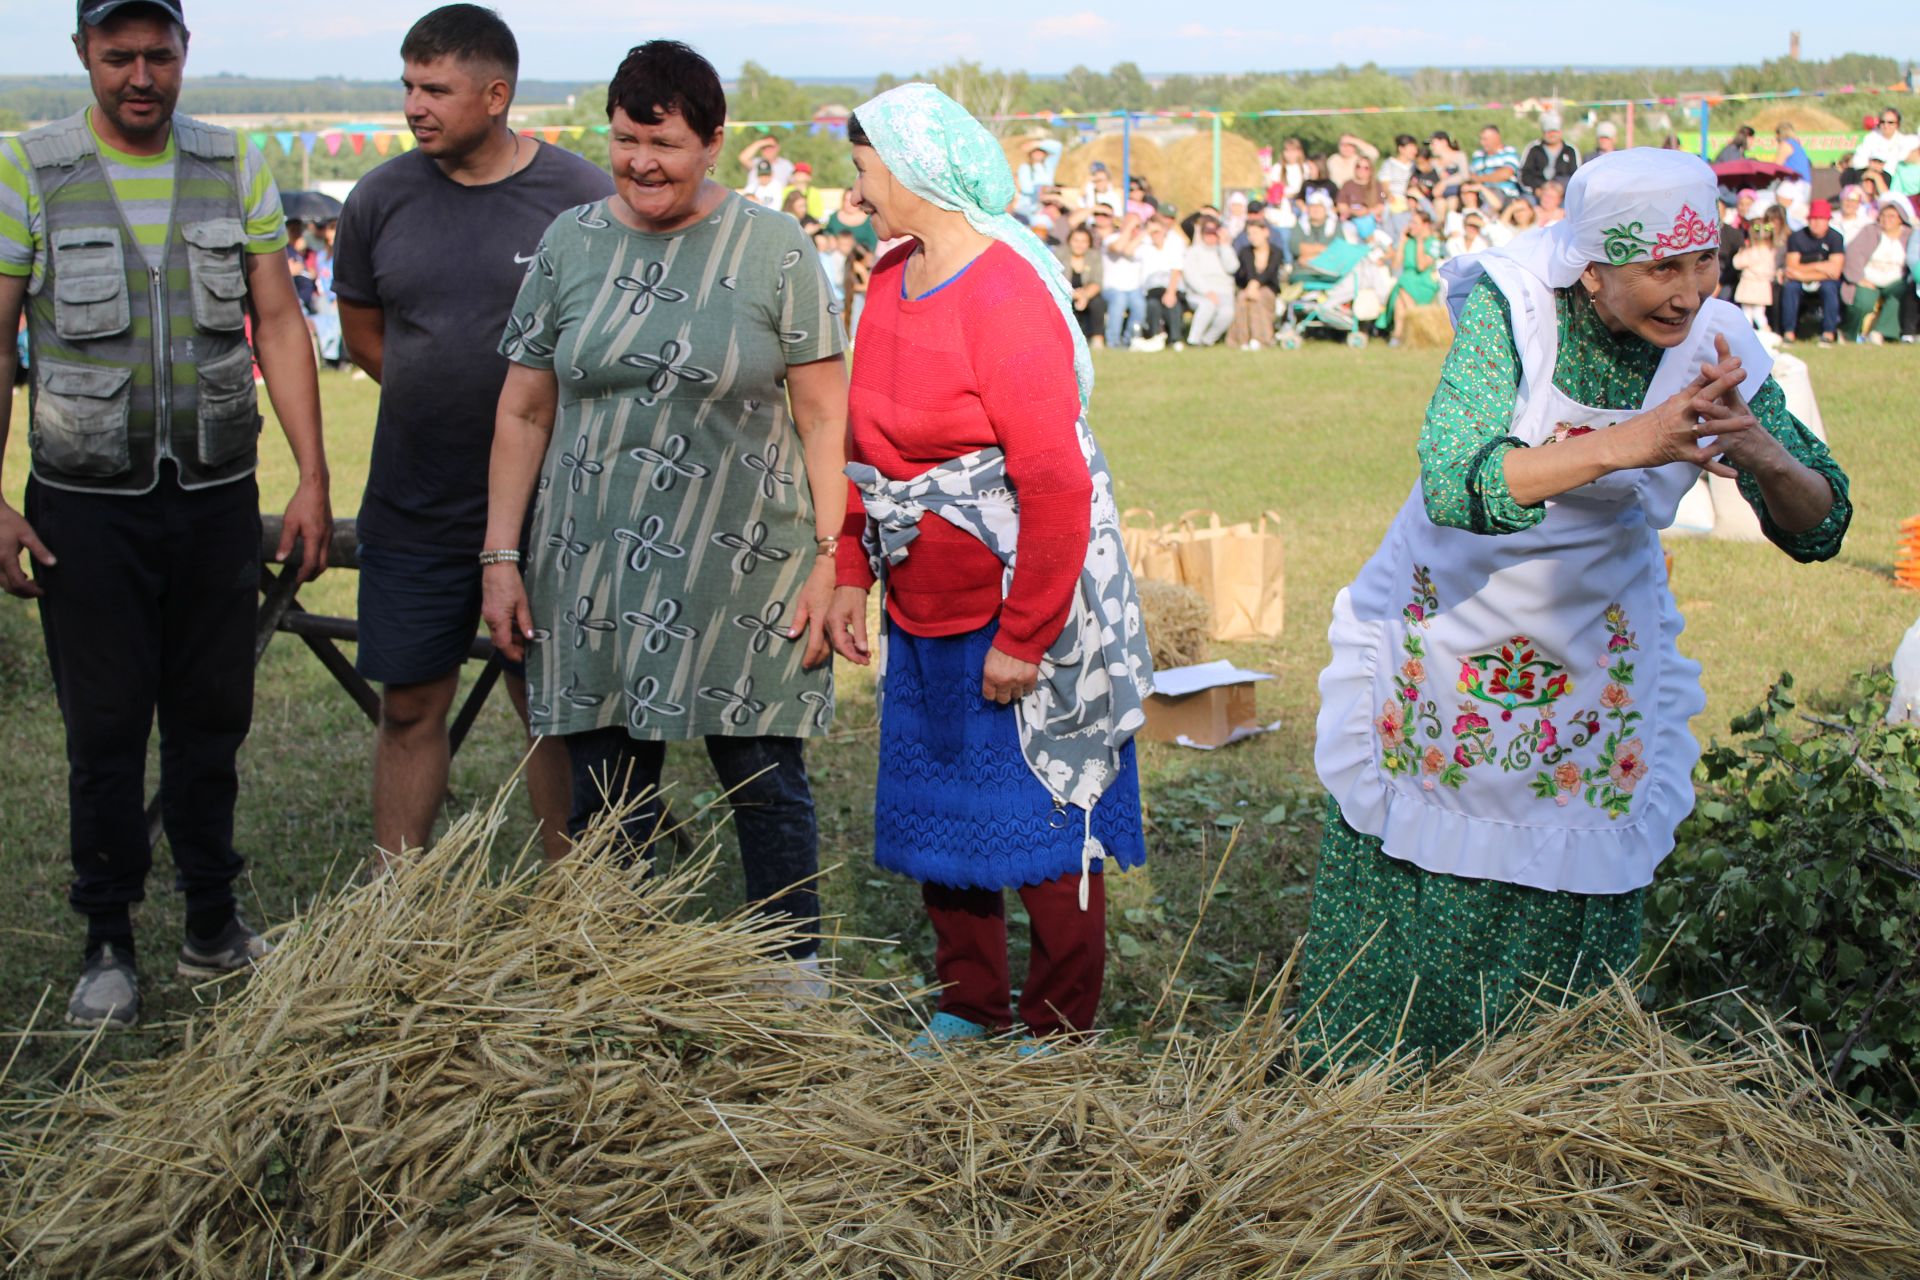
(1750, 173)
(310, 206)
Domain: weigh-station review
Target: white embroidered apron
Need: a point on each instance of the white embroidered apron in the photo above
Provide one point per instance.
(1514, 707)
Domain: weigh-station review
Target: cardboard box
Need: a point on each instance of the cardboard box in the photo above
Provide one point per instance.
(1204, 706)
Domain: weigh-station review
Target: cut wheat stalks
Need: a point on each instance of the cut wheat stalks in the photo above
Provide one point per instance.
(582, 1072)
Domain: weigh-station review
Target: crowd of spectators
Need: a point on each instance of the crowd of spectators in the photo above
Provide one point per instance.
(1148, 276)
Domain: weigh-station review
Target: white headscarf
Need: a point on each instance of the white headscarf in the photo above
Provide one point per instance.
(1623, 207)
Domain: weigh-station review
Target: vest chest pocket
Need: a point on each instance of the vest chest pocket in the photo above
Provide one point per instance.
(229, 407)
(80, 419)
(216, 261)
(89, 283)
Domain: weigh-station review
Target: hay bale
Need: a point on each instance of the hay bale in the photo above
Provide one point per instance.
(1803, 116)
(1190, 168)
(1428, 327)
(1148, 161)
(1177, 621)
(575, 1073)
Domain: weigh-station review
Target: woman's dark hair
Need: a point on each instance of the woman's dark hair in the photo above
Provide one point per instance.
(1405, 140)
(856, 135)
(466, 33)
(1082, 230)
(665, 77)
(1441, 135)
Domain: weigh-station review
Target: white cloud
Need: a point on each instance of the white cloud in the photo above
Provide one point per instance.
(1083, 25)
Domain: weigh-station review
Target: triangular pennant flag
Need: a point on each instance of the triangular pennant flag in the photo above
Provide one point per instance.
(406, 140)
(333, 144)
(259, 141)
(307, 140)
(551, 134)
(575, 130)
(358, 141)
(603, 129)
(381, 141)
(286, 142)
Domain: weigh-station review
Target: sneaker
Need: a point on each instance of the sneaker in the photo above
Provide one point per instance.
(108, 993)
(238, 947)
(1876, 339)
(1827, 339)
(1252, 345)
(1179, 346)
(945, 1028)
(1158, 342)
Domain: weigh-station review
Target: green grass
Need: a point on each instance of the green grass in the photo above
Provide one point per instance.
(1324, 437)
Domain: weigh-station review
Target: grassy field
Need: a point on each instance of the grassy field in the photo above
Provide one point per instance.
(1324, 437)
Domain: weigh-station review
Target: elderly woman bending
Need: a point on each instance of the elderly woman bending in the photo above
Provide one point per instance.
(676, 415)
(1015, 667)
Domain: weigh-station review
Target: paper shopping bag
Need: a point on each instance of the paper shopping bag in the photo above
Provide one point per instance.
(1240, 571)
(1149, 547)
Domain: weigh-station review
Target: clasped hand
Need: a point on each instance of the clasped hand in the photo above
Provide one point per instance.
(1709, 409)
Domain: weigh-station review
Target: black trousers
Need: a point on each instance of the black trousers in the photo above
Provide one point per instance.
(766, 782)
(1161, 318)
(150, 610)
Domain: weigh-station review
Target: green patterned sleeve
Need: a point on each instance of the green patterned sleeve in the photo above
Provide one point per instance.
(1822, 542)
(1464, 441)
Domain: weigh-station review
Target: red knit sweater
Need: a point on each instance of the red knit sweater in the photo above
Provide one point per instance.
(986, 360)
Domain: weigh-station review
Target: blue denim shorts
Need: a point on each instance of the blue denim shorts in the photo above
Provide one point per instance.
(419, 613)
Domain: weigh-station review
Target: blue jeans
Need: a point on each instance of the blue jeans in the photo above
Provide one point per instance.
(1790, 295)
(766, 782)
(1126, 312)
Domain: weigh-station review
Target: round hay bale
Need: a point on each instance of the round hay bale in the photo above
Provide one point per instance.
(1147, 159)
(1428, 327)
(1190, 168)
(1018, 145)
(1177, 621)
(1803, 116)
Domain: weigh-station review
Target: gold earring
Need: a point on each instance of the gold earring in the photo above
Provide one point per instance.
(711, 169)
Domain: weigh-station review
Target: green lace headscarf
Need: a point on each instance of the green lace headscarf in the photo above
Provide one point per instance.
(940, 153)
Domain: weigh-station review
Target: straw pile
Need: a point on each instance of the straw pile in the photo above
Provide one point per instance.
(1190, 169)
(1429, 327)
(570, 1074)
(1147, 160)
(1804, 117)
(1177, 620)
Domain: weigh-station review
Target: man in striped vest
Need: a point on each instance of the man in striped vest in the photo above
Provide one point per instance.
(139, 242)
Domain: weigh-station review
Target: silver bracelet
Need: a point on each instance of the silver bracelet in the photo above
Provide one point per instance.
(500, 557)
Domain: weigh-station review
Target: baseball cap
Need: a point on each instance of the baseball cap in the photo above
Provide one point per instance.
(1549, 121)
(1607, 129)
(1098, 166)
(1819, 209)
(92, 13)
(804, 167)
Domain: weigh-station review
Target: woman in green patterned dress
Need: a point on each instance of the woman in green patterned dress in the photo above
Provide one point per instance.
(678, 401)
(1504, 726)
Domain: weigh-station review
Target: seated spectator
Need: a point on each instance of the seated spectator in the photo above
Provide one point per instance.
(1319, 230)
(1497, 165)
(1162, 262)
(1815, 257)
(794, 205)
(1514, 219)
(1472, 199)
(1362, 200)
(1035, 174)
(1736, 148)
(1082, 261)
(1606, 137)
(1733, 238)
(1295, 170)
(1754, 265)
(1551, 159)
(1788, 151)
(1042, 227)
(1885, 144)
(1235, 220)
(1338, 168)
(1140, 198)
(1452, 170)
(1125, 282)
(1552, 197)
(1855, 215)
(802, 183)
(1099, 189)
(1472, 236)
(1207, 275)
(1670, 143)
(1419, 279)
(1905, 178)
(764, 187)
(1874, 281)
(1398, 171)
(1256, 281)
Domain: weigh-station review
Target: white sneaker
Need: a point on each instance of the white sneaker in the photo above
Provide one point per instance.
(1179, 346)
(1253, 345)
(1158, 342)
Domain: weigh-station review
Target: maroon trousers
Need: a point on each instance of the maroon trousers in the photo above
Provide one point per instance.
(1065, 970)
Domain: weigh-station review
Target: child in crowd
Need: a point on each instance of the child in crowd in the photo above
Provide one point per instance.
(834, 262)
(1753, 293)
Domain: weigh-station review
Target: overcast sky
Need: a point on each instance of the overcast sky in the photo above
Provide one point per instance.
(581, 39)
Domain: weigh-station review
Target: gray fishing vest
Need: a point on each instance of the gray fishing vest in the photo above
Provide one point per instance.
(132, 364)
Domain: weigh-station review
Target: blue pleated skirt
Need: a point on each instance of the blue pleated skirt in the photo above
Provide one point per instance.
(956, 803)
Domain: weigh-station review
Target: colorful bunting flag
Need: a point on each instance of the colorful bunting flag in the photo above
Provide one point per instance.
(286, 142)
(381, 141)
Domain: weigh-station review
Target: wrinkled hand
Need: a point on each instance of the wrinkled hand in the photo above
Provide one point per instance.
(1007, 679)
(1750, 449)
(16, 537)
(309, 521)
(1709, 406)
(504, 607)
(847, 625)
(811, 612)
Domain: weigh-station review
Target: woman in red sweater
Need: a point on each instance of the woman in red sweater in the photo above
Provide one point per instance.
(969, 382)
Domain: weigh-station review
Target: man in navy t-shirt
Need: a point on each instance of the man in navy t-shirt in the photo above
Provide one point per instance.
(1815, 255)
(432, 248)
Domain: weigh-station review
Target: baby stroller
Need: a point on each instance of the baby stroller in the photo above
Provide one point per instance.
(1333, 294)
